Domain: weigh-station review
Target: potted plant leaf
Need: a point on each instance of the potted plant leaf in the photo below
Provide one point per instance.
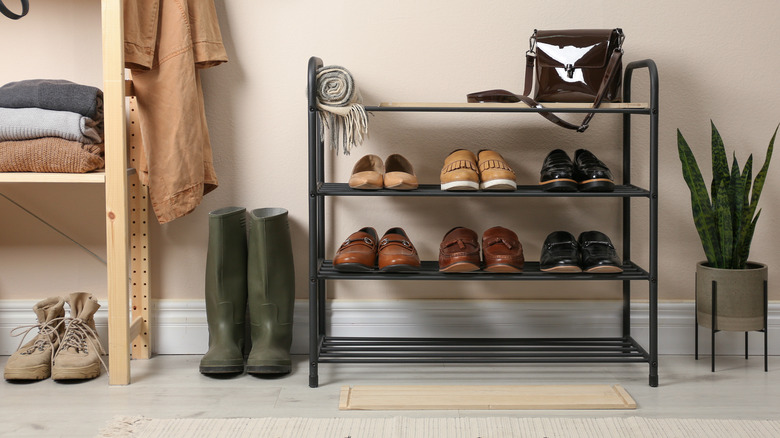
(726, 221)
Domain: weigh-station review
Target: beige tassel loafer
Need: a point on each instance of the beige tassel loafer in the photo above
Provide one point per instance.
(460, 171)
(494, 172)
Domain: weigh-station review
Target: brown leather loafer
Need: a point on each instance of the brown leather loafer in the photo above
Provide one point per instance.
(396, 252)
(459, 251)
(358, 252)
(494, 172)
(502, 251)
(368, 173)
(399, 173)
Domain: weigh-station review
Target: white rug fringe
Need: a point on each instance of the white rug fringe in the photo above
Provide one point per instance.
(461, 427)
(121, 426)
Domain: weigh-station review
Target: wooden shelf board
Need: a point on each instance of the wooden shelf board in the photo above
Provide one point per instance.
(96, 177)
(618, 105)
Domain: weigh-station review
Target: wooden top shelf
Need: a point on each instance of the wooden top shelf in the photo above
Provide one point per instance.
(610, 105)
(519, 107)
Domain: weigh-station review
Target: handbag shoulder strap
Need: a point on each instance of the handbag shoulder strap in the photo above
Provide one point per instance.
(614, 61)
(530, 60)
(8, 13)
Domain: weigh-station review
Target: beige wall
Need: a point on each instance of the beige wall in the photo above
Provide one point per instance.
(713, 64)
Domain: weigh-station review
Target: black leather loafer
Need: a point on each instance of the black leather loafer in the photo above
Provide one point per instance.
(557, 173)
(591, 174)
(598, 254)
(560, 253)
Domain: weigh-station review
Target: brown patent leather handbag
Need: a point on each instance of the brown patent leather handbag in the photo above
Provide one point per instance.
(582, 65)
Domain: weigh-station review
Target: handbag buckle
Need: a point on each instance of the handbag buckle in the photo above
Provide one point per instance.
(569, 70)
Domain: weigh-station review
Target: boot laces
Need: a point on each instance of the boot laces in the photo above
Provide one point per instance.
(80, 336)
(47, 331)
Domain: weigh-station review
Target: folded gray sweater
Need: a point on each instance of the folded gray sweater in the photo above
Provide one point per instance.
(53, 94)
(29, 123)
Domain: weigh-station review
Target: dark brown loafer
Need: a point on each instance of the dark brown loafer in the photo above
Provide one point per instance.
(358, 252)
(502, 251)
(396, 252)
(459, 251)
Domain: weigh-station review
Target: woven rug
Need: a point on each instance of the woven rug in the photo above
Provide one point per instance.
(406, 427)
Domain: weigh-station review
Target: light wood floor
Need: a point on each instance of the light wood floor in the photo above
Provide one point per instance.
(170, 386)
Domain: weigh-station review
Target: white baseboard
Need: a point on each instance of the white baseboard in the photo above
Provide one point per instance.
(180, 326)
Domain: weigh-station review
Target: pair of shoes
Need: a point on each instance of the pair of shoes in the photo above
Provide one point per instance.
(592, 252)
(487, 171)
(249, 290)
(64, 348)
(362, 251)
(501, 251)
(588, 173)
(396, 173)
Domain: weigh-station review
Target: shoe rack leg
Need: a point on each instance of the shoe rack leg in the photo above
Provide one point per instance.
(315, 221)
(696, 318)
(714, 320)
(766, 326)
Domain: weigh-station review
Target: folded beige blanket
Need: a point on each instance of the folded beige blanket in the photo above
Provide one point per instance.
(50, 154)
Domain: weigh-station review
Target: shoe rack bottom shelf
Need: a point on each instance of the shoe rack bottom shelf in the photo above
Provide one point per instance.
(480, 350)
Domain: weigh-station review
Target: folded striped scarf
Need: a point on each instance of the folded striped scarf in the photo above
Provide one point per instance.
(341, 109)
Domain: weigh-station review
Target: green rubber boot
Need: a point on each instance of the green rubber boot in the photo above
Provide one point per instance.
(226, 291)
(271, 279)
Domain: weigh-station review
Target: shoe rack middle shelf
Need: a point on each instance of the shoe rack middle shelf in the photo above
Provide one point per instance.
(429, 190)
(326, 348)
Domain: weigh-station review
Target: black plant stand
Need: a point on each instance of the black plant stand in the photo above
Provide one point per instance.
(715, 329)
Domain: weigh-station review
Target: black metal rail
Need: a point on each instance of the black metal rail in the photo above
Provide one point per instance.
(480, 350)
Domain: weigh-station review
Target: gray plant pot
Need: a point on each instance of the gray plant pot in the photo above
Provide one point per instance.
(740, 296)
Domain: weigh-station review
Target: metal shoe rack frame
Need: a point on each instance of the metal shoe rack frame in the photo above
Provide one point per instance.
(329, 349)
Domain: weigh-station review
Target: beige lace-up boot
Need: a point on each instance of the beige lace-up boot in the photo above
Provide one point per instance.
(79, 354)
(32, 361)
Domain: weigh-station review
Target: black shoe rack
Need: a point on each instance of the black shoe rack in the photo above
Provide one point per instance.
(324, 348)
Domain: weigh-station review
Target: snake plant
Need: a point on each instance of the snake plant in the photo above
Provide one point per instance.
(727, 220)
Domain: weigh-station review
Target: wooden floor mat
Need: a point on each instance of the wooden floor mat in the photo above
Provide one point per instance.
(369, 397)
